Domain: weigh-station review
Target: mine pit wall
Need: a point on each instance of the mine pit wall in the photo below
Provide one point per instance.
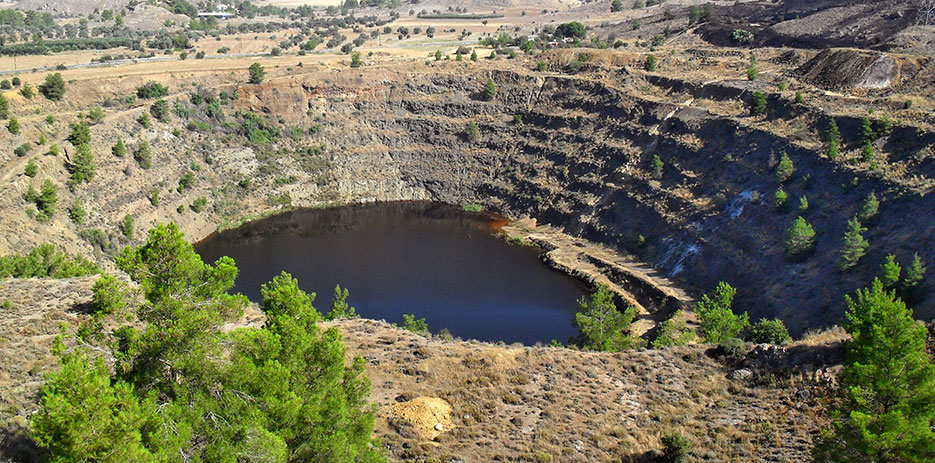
(580, 160)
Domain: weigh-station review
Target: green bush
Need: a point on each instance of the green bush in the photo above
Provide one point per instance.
(601, 326)
(127, 226)
(46, 262)
(869, 208)
(784, 169)
(854, 245)
(83, 168)
(490, 90)
(674, 332)
(339, 307)
(160, 110)
(758, 104)
(54, 87)
(13, 125)
(650, 63)
(142, 155)
(22, 150)
(718, 321)
(119, 149)
(31, 168)
(675, 448)
(77, 212)
(411, 323)
(152, 90)
(769, 332)
(800, 238)
(199, 204)
(257, 73)
(472, 132)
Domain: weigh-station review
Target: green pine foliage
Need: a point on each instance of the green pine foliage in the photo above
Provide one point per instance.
(674, 332)
(718, 321)
(780, 199)
(658, 167)
(80, 133)
(472, 132)
(869, 208)
(784, 169)
(184, 389)
(83, 167)
(758, 104)
(800, 238)
(890, 271)
(339, 306)
(768, 331)
(886, 403)
(914, 273)
(54, 87)
(416, 325)
(602, 327)
(854, 246)
(257, 73)
(4, 107)
(865, 132)
(650, 63)
(119, 149)
(46, 262)
(490, 90)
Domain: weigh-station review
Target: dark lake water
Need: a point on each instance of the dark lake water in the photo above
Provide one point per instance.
(432, 260)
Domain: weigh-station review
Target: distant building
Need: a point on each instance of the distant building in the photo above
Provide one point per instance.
(216, 14)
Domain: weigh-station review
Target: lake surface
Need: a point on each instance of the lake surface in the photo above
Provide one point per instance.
(432, 260)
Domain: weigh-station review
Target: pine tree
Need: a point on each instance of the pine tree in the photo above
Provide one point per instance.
(474, 55)
(658, 167)
(867, 153)
(83, 167)
(54, 87)
(650, 63)
(834, 151)
(674, 332)
(869, 209)
(915, 272)
(339, 306)
(472, 132)
(832, 134)
(784, 169)
(833, 139)
(865, 133)
(890, 271)
(616, 5)
(490, 90)
(601, 326)
(718, 321)
(80, 133)
(886, 403)
(47, 201)
(4, 107)
(758, 104)
(854, 246)
(13, 125)
(257, 73)
(800, 238)
(119, 149)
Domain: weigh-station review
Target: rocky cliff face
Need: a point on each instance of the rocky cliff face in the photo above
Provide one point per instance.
(580, 158)
(572, 151)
